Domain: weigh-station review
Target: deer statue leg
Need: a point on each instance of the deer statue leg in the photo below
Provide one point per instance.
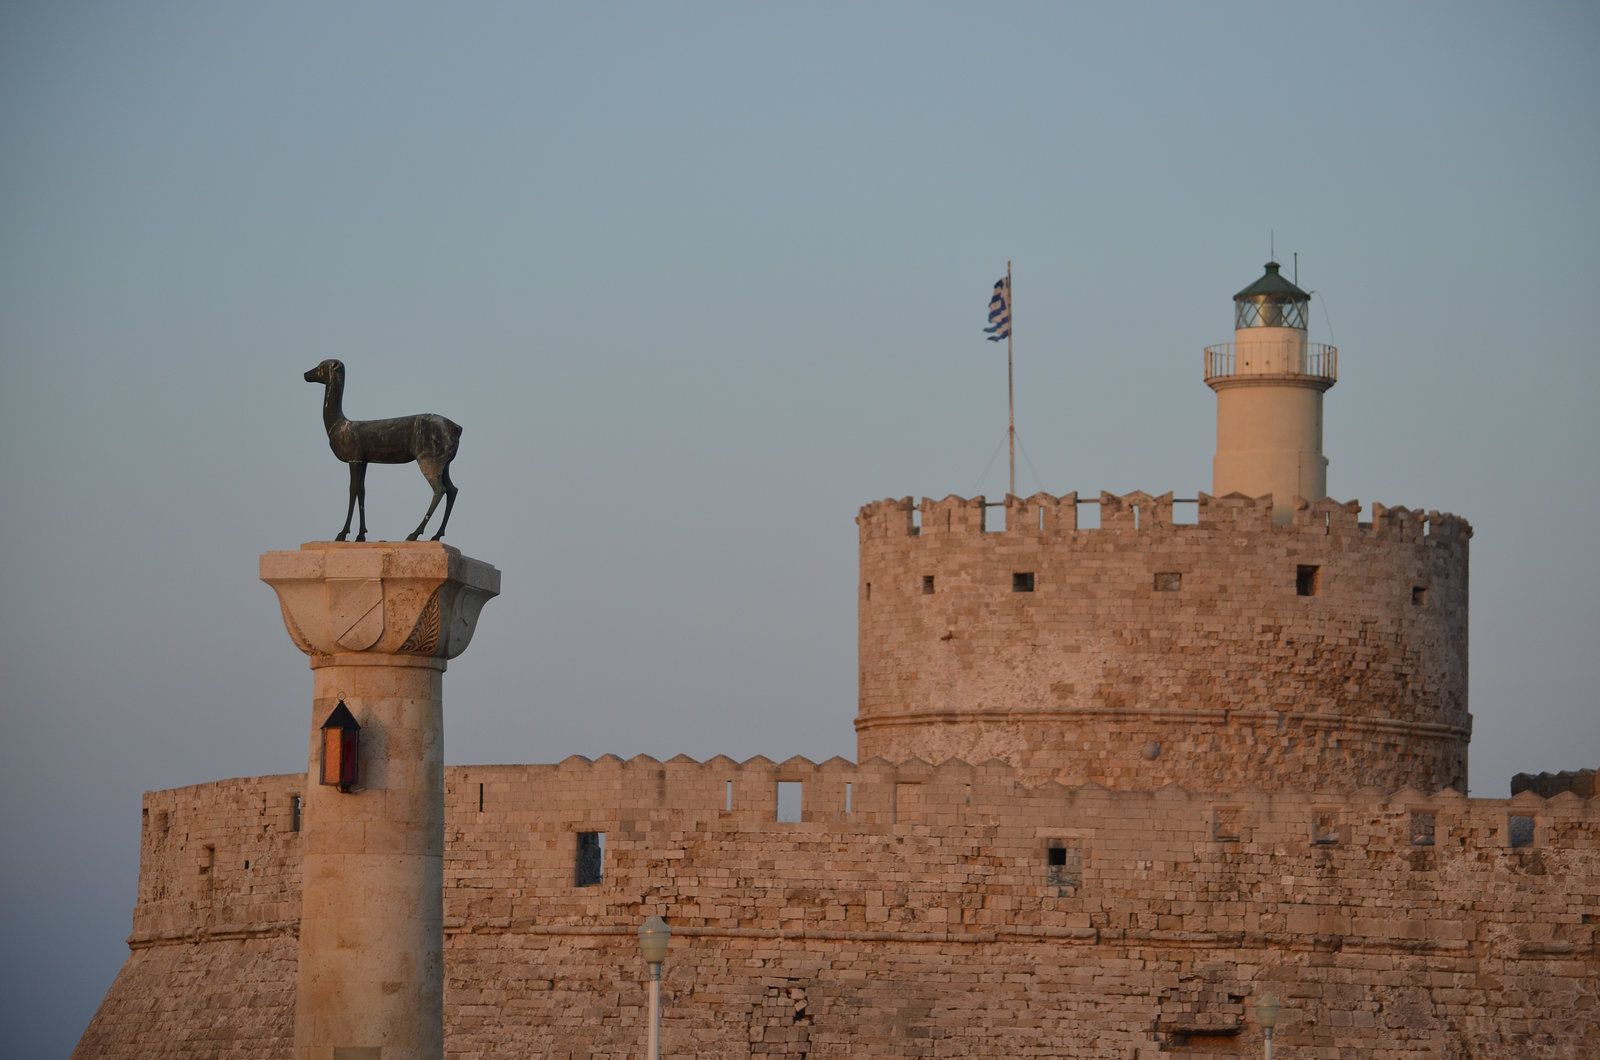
(438, 476)
(358, 498)
(358, 472)
(449, 500)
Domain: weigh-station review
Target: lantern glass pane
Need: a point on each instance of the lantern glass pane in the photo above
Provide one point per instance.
(331, 755)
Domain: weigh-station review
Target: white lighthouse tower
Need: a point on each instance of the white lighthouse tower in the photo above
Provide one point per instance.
(1269, 382)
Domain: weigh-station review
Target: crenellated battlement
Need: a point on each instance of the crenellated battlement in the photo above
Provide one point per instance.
(1050, 516)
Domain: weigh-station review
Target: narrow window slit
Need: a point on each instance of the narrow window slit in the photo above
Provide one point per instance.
(591, 858)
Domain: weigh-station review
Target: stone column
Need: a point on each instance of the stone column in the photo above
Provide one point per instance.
(379, 621)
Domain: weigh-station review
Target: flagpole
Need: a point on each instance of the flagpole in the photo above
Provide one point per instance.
(1011, 400)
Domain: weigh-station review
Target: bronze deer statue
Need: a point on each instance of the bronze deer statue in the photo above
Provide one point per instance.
(428, 439)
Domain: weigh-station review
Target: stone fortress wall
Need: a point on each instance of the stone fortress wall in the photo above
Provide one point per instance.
(1326, 653)
(1117, 782)
(912, 910)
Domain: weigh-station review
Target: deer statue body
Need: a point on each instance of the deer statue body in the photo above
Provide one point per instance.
(428, 439)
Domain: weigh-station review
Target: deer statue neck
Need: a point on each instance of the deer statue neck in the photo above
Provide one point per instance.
(333, 401)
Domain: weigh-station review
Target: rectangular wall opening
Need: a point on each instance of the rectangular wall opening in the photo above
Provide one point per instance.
(1168, 581)
(1089, 515)
(1308, 580)
(927, 585)
(994, 518)
(727, 804)
(591, 858)
(1422, 825)
(1521, 830)
(1325, 827)
(1064, 864)
(789, 799)
(847, 793)
(1419, 596)
(295, 808)
(1022, 582)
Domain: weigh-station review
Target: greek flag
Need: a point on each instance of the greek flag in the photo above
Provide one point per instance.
(1000, 311)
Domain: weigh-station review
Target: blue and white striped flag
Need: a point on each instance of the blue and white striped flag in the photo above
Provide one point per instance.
(1000, 311)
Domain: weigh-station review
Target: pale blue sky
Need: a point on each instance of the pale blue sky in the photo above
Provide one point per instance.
(699, 280)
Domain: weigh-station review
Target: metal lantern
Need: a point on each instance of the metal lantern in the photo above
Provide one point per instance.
(341, 748)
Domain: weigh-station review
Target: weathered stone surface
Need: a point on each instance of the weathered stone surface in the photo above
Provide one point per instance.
(928, 927)
(216, 997)
(379, 622)
(1144, 652)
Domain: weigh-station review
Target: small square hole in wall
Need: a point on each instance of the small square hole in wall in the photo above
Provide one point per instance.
(789, 796)
(1419, 596)
(1422, 825)
(1064, 864)
(1227, 824)
(927, 585)
(1325, 827)
(1521, 831)
(1308, 580)
(591, 858)
(1168, 581)
(1022, 582)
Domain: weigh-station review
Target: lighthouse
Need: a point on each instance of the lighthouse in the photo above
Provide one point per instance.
(1269, 382)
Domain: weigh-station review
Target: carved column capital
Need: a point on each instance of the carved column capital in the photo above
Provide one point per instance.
(417, 599)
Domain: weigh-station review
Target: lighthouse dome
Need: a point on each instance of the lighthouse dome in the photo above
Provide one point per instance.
(1271, 302)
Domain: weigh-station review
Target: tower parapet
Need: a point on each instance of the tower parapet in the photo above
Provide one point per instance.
(1324, 652)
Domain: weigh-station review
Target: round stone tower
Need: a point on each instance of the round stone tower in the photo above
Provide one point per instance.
(1240, 642)
(1269, 382)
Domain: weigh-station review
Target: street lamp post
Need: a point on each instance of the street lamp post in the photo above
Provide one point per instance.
(654, 934)
(1266, 1012)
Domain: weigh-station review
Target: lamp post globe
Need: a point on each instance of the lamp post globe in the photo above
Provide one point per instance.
(1267, 1014)
(654, 934)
